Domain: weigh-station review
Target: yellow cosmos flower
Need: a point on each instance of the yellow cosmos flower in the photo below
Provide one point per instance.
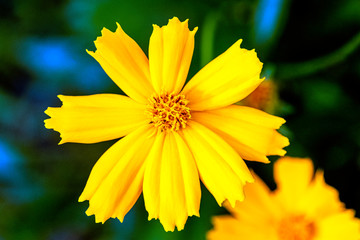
(303, 207)
(172, 135)
(264, 97)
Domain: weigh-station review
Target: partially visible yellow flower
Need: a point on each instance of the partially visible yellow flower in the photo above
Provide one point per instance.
(303, 207)
(172, 135)
(264, 97)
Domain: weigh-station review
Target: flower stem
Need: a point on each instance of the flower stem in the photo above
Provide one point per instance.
(208, 37)
(303, 69)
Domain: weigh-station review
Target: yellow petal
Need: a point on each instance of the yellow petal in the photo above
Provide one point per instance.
(95, 118)
(227, 79)
(229, 228)
(259, 207)
(319, 200)
(115, 182)
(221, 169)
(171, 182)
(170, 51)
(292, 177)
(277, 144)
(249, 131)
(225, 227)
(125, 63)
(342, 225)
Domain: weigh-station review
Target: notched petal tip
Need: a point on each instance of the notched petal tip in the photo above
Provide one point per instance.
(91, 53)
(105, 31)
(246, 51)
(281, 121)
(47, 123)
(277, 144)
(194, 31)
(170, 227)
(89, 212)
(282, 152)
(232, 202)
(196, 214)
(286, 142)
(229, 206)
(48, 112)
(61, 97)
(186, 25)
(175, 19)
(238, 43)
(62, 141)
(121, 219)
(283, 141)
(81, 198)
(118, 27)
(105, 34)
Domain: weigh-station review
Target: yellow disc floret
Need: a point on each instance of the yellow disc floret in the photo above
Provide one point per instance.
(169, 112)
(296, 228)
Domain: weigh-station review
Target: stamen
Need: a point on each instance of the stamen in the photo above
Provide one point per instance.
(169, 112)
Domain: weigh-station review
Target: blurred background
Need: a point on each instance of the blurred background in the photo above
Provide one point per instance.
(310, 50)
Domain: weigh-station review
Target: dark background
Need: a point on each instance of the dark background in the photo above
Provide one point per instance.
(310, 50)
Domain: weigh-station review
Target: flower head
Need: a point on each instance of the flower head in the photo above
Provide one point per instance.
(171, 136)
(264, 97)
(303, 207)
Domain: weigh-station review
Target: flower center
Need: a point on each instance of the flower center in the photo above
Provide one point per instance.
(296, 228)
(169, 111)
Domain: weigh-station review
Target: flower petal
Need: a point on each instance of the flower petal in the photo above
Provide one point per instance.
(258, 205)
(95, 118)
(292, 177)
(225, 227)
(170, 51)
(125, 63)
(249, 131)
(258, 209)
(320, 199)
(342, 225)
(229, 228)
(227, 79)
(171, 182)
(115, 182)
(221, 169)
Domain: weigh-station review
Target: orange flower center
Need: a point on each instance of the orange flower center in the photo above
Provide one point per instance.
(169, 112)
(296, 228)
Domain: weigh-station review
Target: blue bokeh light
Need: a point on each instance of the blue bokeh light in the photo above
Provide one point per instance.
(48, 55)
(266, 19)
(16, 185)
(62, 63)
(9, 158)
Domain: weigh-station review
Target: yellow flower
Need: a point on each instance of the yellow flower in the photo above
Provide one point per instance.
(303, 207)
(172, 136)
(264, 97)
